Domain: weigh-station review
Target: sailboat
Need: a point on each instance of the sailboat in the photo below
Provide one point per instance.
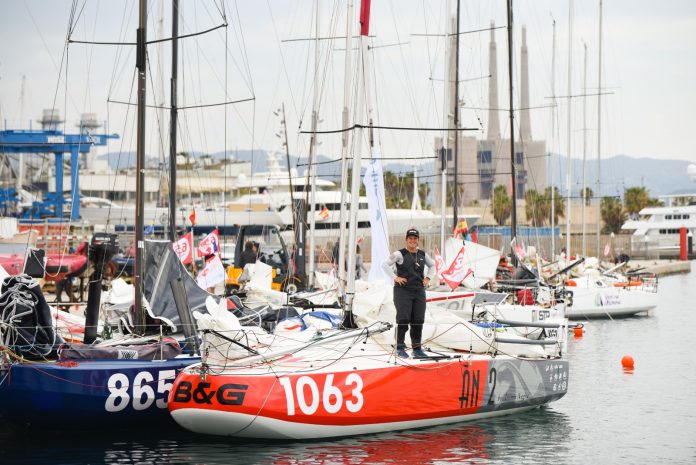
(123, 382)
(350, 381)
(597, 293)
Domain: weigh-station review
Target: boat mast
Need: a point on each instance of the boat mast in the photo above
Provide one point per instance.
(312, 149)
(158, 90)
(287, 160)
(173, 121)
(446, 124)
(513, 228)
(455, 194)
(569, 168)
(20, 156)
(344, 149)
(584, 153)
(553, 135)
(140, 63)
(599, 132)
(357, 159)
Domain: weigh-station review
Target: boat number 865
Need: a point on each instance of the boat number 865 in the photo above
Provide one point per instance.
(142, 393)
(307, 396)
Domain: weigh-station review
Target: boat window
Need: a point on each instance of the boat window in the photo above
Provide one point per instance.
(686, 217)
(264, 235)
(668, 217)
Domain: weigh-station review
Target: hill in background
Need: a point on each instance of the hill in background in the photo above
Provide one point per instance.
(660, 177)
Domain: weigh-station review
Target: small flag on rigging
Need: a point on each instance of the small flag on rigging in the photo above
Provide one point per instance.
(324, 213)
(184, 248)
(461, 228)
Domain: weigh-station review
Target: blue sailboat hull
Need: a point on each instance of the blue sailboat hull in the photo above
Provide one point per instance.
(89, 394)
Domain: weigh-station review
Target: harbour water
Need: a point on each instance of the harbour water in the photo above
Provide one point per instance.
(608, 416)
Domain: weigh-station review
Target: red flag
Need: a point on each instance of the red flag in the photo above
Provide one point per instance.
(474, 236)
(365, 18)
(184, 248)
(456, 273)
(210, 244)
(324, 213)
(461, 228)
(192, 217)
(517, 249)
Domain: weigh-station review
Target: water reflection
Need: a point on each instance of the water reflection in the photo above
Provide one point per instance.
(500, 440)
(542, 432)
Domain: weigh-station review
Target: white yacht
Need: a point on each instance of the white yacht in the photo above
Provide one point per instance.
(270, 191)
(657, 229)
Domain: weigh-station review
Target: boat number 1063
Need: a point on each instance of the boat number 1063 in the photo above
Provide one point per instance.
(141, 394)
(307, 396)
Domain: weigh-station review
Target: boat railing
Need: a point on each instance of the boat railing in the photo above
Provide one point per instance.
(545, 333)
(646, 282)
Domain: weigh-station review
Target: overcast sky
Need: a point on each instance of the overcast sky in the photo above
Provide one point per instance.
(649, 67)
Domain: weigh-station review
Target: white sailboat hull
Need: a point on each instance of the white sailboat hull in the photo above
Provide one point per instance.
(599, 302)
(218, 423)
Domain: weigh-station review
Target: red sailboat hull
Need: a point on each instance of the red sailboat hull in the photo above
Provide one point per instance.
(321, 403)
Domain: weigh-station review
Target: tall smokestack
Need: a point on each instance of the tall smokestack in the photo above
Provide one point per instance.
(525, 126)
(493, 121)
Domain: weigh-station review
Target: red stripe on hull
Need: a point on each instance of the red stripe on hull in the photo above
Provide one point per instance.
(453, 297)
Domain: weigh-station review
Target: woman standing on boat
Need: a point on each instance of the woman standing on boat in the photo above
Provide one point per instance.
(410, 282)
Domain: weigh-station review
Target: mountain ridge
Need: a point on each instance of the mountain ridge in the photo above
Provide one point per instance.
(659, 176)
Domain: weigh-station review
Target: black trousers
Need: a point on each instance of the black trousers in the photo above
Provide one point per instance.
(410, 310)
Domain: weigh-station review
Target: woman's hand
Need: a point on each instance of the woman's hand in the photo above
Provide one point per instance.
(399, 280)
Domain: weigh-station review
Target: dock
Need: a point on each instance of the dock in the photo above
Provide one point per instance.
(662, 267)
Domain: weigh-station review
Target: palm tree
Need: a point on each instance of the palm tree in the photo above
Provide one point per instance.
(559, 203)
(635, 199)
(612, 215)
(502, 206)
(398, 190)
(536, 207)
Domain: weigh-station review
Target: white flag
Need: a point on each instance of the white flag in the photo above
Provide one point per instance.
(212, 274)
(518, 249)
(374, 188)
(439, 265)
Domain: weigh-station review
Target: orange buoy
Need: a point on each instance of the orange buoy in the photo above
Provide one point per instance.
(577, 331)
(627, 362)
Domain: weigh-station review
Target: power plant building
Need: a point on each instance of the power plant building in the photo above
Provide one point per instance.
(484, 164)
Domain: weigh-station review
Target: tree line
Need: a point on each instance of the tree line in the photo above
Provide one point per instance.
(613, 210)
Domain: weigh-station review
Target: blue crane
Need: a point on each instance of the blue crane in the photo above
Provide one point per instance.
(55, 141)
